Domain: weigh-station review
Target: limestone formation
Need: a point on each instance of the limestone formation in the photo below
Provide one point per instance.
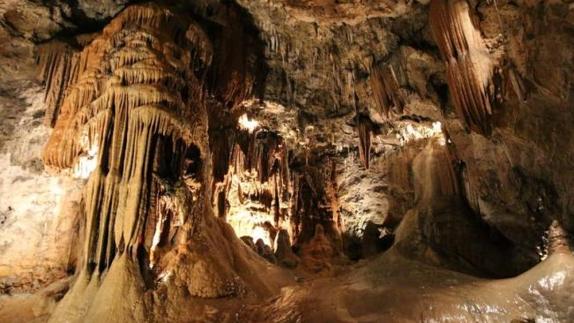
(468, 63)
(138, 106)
(283, 251)
(286, 161)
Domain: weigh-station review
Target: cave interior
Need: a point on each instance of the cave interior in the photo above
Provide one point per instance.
(287, 161)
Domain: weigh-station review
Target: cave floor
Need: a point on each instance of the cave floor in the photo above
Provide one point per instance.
(387, 288)
(392, 288)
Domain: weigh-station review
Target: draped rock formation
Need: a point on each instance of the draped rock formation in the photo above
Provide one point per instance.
(468, 63)
(286, 161)
(58, 70)
(386, 89)
(137, 109)
(443, 219)
(254, 193)
(315, 204)
(136, 100)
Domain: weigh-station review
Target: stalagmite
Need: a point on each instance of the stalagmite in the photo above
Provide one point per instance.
(317, 253)
(558, 239)
(283, 251)
(468, 62)
(311, 205)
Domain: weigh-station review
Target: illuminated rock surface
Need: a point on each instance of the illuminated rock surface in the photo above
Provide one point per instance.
(289, 161)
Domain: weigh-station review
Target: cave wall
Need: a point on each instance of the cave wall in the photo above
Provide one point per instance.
(334, 67)
(38, 210)
(504, 127)
(518, 179)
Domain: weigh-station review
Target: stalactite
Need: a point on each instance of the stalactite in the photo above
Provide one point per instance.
(264, 153)
(58, 68)
(469, 65)
(268, 155)
(386, 89)
(514, 85)
(236, 71)
(331, 191)
(276, 201)
(364, 128)
(255, 192)
(136, 98)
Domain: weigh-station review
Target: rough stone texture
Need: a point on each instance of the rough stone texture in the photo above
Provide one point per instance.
(95, 9)
(516, 180)
(334, 67)
(38, 211)
(323, 79)
(319, 53)
(520, 178)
